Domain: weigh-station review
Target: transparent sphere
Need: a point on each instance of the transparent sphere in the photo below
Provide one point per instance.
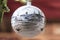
(28, 21)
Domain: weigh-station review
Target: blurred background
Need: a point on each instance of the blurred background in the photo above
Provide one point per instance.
(51, 9)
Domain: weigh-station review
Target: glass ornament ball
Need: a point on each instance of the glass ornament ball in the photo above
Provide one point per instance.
(28, 21)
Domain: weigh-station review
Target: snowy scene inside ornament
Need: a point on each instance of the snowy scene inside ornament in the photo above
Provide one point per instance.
(28, 21)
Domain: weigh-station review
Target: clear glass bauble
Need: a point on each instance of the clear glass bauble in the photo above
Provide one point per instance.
(28, 21)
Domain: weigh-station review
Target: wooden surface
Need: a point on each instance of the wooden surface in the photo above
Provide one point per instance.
(51, 32)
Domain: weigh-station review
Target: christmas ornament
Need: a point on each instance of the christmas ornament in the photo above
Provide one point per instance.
(28, 20)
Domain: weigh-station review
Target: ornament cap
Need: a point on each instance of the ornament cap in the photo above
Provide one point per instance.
(28, 2)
